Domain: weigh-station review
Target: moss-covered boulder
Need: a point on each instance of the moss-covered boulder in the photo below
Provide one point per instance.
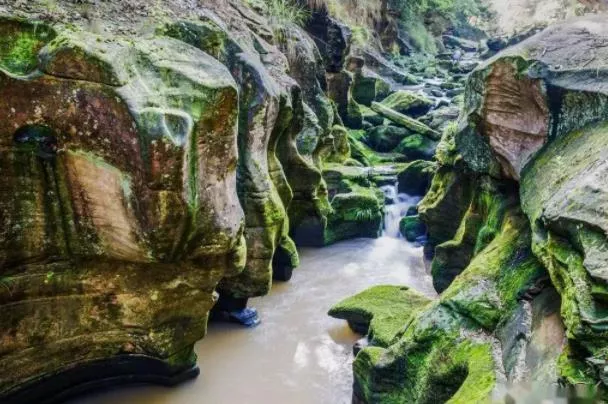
(444, 206)
(408, 103)
(385, 138)
(534, 92)
(417, 147)
(446, 352)
(416, 178)
(368, 86)
(357, 204)
(380, 312)
(121, 214)
(412, 228)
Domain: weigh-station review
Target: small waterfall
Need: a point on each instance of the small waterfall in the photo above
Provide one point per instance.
(396, 208)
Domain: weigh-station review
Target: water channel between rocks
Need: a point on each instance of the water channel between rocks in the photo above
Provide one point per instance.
(298, 355)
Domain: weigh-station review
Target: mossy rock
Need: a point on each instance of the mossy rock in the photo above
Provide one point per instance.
(429, 362)
(381, 311)
(564, 194)
(445, 204)
(21, 43)
(385, 138)
(408, 103)
(416, 178)
(492, 283)
(368, 87)
(358, 213)
(361, 152)
(417, 147)
(412, 228)
(480, 224)
(445, 353)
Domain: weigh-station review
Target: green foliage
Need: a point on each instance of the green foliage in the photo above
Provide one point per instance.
(361, 36)
(365, 214)
(450, 9)
(282, 12)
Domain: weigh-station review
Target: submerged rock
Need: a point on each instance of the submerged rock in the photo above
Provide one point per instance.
(412, 228)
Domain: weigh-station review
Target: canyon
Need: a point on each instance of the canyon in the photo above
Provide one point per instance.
(436, 190)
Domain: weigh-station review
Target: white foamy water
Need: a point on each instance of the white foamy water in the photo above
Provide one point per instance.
(298, 354)
(396, 208)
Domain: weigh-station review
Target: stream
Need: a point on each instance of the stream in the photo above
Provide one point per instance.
(298, 354)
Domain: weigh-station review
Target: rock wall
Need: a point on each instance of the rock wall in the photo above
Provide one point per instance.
(146, 169)
(120, 212)
(515, 221)
(155, 160)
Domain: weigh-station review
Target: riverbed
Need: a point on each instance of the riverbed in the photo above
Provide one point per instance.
(298, 354)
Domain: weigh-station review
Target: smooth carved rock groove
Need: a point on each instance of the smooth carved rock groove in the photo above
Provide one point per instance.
(516, 117)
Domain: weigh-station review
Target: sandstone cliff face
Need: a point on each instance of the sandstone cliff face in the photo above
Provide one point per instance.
(120, 213)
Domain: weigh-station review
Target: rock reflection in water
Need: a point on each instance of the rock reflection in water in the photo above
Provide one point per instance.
(298, 355)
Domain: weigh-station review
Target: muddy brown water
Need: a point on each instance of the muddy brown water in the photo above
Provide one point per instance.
(298, 354)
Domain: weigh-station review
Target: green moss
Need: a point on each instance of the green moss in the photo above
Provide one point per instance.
(490, 286)
(446, 152)
(412, 227)
(417, 147)
(445, 204)
(20, 44)
(355, 213)
(408, 103)
(381, 311)
(573, 370)
(430, 362)
(416, 177)
(563, 193)
(368, 157)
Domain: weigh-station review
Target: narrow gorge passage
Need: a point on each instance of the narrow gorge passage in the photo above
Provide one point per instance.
(298, 354)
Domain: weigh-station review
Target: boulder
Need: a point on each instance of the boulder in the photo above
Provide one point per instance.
(385, 138)
(445, 204)
(408, 103)
(380, 312)
(412, 228)
(416, 178)
(368, 87)
(417, 147)
(535, 91)
(444, 353)
(121, 214)
(564, 194)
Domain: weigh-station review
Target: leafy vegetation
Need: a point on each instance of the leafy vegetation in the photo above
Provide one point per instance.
(281, 12)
